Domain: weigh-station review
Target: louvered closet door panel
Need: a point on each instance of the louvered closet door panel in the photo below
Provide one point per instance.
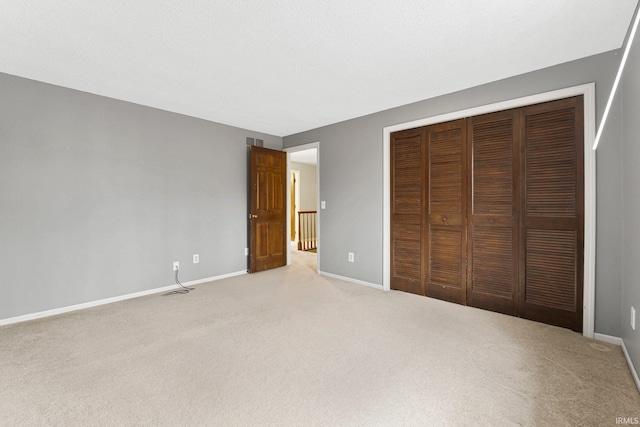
(493, 215)
(446, 211)
(551, 259)
(407, 206)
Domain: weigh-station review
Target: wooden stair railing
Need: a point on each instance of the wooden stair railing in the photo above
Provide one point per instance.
(307, 239)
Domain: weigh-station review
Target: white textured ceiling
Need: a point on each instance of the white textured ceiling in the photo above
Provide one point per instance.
(285, 66)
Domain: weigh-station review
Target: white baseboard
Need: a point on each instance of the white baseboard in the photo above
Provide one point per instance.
(349, 279)
(620, 342)
(634, 373)
(96, 303)
(608, 338)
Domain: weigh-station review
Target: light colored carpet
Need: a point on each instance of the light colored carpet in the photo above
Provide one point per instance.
(289, 347)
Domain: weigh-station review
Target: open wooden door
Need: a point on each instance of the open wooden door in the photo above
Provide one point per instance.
(267, 209)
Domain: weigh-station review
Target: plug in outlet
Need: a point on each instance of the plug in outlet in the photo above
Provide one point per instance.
(196, 258)
(351, 257)
(176, 265)
(633, 318)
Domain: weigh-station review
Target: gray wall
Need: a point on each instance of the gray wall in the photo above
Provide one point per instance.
(308, 186)
(630, 94)
(98, 197)
(609, 221)
(351, 176)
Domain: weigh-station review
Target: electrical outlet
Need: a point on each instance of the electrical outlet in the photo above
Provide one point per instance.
(176, 265)
(633, 318)
(323, 205)
(196, 258)
(351, 257)
(246, 251)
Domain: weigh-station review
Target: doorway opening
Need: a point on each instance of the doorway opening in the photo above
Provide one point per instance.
(303, 203)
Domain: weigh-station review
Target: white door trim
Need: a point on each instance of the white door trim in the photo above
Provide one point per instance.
(589, 93)
(318, 235)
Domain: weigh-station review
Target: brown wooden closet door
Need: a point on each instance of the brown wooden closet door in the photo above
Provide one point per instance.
(446, 211)
(492, 275)
(551, 256)
(407, 206)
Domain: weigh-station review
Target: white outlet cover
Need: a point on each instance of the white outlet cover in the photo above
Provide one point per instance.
(246, 251)
(176, 265)
(196, 258)
(633, 318)
(323, 205)
(351, 257)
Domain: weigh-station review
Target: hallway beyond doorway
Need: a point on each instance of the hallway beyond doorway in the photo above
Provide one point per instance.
(304, 258)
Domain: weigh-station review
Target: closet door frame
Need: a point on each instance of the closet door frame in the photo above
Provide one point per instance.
(588, 92)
